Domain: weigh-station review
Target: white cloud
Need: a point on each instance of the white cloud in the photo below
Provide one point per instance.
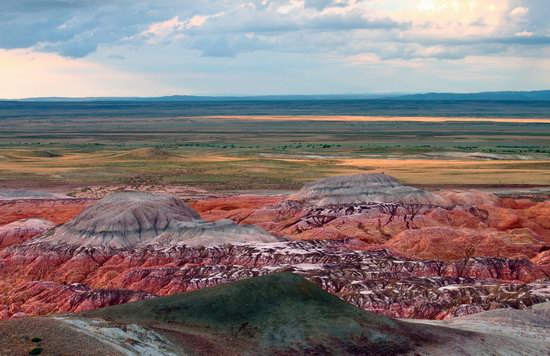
(162, 29)
(524, 34)
(519, 11)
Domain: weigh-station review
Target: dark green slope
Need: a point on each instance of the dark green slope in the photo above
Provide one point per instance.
(280, 313)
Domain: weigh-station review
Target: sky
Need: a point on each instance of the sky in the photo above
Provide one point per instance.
(79, 48)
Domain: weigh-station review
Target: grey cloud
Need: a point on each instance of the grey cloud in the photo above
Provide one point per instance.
(264, 21)
(228, 46)
(532, 40)
(29, 6)
(117, 56)
(76, 28)
(479, 23)
(323, 4)
(352, 21)
(78, 46)
(521, 40)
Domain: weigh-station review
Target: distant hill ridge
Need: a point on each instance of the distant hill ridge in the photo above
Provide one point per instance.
(480, 96)
(497, 95)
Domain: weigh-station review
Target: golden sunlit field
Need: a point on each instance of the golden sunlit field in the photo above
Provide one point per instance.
(273, 153)
(225, 172)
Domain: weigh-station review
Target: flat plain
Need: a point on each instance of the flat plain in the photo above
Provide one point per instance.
(252, 152)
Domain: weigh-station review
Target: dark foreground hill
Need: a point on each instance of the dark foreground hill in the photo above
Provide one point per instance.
(278, 314)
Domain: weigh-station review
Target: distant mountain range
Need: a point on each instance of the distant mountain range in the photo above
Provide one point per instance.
(185, 98)
(482, 96)
(489, 95)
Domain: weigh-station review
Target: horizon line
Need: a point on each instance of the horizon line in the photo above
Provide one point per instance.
(373, 95)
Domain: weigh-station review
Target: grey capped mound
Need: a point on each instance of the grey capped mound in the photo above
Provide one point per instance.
(123, 219)
(362, 188)
(131, 219)
(199, 233)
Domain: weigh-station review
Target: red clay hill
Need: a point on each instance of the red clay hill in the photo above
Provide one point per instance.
(382, 246)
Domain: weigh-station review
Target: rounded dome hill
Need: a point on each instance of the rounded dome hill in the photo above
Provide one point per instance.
(144, 153)
(136, 219)
(200, 233)
(281, 311)
(362, 188)
(33, 154)
(22, 230)
(123, 219)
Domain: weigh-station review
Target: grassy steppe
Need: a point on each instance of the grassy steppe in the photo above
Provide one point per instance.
(230, 153)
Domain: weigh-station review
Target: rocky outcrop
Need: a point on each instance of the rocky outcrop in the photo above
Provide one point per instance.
(180, 191)
(470, 198)
(373, 280)
(41, 298)
(128, 219)
(362, 188)
(400, 257)
(543, 260)
(455, 243)
(122, 219)
(233, 207)
(20, 231)
(371, 209)
(198, 233)
(58, 211)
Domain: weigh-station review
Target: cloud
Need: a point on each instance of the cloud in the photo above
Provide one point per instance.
(228, 28)
(77, 28)
(117, 56)
(524, 34)
(323, 4)
(519, 11)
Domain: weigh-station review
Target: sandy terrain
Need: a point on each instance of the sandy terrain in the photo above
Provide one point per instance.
(377, 118)
(56, 337)
(467, 172)
(518, 332)
(96, 167)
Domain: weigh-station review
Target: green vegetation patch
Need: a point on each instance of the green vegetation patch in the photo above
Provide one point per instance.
(275, 310)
